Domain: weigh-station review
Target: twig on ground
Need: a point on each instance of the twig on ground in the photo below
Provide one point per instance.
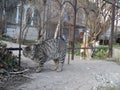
(27, 76)
(19, 72)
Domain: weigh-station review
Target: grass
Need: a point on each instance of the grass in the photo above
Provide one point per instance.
(101, 53)
(108, 88)
(26, 42)
(117, 46)
(5, 39)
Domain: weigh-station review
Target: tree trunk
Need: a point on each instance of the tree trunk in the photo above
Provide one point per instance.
(59, 22)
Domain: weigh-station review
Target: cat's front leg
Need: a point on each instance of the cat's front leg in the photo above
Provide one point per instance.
(60, 66)
(56, 64)
(41, 64)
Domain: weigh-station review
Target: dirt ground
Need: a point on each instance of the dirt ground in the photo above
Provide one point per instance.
(78, 75)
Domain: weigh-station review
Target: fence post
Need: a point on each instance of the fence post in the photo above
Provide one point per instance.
(112, 31)
(75, 12)
(21, 17)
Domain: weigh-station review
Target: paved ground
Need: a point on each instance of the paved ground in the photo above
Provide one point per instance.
(78, 75)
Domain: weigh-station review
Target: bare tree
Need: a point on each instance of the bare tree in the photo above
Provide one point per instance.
(97, 22)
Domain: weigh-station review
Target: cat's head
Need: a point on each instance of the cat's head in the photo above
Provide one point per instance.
(29, 51)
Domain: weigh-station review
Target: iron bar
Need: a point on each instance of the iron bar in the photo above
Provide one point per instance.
(44, 19)
(75, 12)
(113, 2)
(68, 56)
(21, 17)
(89, 48)
(112, 32)
(13, 48)
(69, 47)
(4, 16)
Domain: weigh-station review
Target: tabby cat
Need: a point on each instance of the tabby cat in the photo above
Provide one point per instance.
(52, 49)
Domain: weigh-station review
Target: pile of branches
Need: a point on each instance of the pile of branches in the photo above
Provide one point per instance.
(8, 62)
(10, 72)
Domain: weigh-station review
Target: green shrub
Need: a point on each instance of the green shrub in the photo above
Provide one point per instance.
(101, 53)
(77, 52)
(5, 39)
(112, 87)
(116, 46)
(7, 60)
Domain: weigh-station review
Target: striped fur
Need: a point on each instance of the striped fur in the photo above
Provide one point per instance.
(52, 49)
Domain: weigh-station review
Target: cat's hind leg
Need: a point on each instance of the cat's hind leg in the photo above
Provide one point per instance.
(41, 64)
(56, 64)
(60, 65)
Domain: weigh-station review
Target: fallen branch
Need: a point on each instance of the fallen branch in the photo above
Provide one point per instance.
(19, 72)
(26, 76)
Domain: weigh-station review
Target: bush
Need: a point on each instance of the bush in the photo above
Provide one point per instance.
(7, 60)
(101, 53)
